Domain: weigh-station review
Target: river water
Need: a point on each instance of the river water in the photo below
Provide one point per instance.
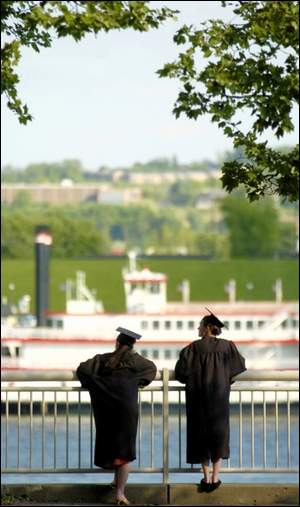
(271, 451)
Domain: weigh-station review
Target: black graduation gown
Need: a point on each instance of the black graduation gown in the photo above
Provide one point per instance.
(114, 398)
(207, 366)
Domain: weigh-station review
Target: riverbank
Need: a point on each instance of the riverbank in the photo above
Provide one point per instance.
(207, 279)
(150, 494)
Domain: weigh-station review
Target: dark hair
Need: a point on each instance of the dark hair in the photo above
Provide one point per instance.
(216, 330)
(206, 321)
(125, 345)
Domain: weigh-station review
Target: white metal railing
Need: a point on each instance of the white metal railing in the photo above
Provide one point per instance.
(49, 428)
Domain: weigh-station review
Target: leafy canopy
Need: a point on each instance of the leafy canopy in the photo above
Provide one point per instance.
(36, 23)
(252, 67)
(254, 228)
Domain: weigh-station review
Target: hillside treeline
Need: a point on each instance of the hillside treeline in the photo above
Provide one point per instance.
(73, 169)
(238, 229)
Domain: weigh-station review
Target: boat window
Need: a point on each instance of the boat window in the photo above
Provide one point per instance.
(59, 324)
(155, 354)
(226, 323)
(144, 324)
(144, 353)
(155, 324)
(237, 324)
(167, 324)
(260, 323)
(249, 324)
(284, 324)
(295, 323)
(154, 288)
(179, 324)
(191, 324)
(49, 323)
(168, 354)
(17, 351)
(5, 352)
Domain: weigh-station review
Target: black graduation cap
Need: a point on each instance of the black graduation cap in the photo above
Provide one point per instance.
(129, 333)
(213, 319)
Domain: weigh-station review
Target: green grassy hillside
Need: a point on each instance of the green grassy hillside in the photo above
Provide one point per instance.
(207, 278)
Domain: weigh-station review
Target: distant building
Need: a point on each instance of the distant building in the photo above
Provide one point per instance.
(70, 193)
(153, 177)
(157, 178)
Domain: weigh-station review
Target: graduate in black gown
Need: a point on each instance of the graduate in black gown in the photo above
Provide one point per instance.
(112, 380)
(206, 367)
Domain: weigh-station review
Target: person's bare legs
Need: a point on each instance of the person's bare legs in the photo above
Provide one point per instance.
(121, 476)
(205, 469)
(216, 470)
(114, 482)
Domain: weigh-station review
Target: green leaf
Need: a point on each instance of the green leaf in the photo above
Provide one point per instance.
(254, 69)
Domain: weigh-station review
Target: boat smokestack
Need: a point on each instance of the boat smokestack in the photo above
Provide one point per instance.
(43, 241)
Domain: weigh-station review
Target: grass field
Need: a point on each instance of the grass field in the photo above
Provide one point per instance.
(207, 279)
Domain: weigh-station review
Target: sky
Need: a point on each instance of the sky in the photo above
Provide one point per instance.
(101, 101)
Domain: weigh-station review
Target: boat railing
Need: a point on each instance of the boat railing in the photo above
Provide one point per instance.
(276, 321)
(48, 427)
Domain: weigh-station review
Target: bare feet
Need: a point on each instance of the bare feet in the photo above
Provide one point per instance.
(122, 500)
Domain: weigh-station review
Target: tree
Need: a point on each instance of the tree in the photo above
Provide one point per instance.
(53, 172)
(254, 228)
(35, 24)
(253, 68)
(184, 192)
(22, 199)
(288, 240)
(78, 237)
(9, 174)
(16, 234)
(212, 245)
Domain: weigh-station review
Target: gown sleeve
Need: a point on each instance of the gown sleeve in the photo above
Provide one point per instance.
(146, 371)
(183, 366)
(236, 361)
(87, 370)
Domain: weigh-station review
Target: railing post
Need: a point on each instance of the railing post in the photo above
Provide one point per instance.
(165, 379)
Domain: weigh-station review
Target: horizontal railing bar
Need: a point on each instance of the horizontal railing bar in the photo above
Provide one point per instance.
(146, 470)
(62, 388)
(248, 375)
(37, 389)
(75, 470)
(230, 470)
